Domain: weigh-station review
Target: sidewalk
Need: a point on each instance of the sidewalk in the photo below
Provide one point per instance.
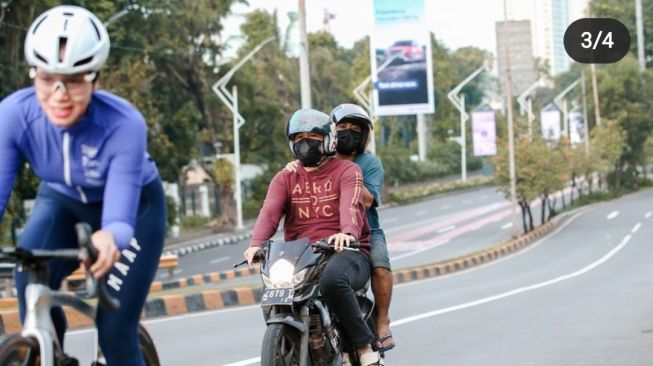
(203, 239)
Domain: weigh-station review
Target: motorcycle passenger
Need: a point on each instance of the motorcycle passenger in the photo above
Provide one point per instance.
(89, 148)
(323, 199)
(354, 126)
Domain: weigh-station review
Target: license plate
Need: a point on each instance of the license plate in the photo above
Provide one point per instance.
(277, 296)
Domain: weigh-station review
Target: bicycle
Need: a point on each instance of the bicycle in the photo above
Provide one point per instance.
(37, 343)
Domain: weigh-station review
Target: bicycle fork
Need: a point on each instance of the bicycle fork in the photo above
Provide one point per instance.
(38, 322)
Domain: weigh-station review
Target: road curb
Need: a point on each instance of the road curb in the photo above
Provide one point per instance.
(172, 305)
(207, 244)
(203, 279)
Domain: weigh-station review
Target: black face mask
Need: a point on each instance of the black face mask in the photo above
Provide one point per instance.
(348, 141)
(308, 152)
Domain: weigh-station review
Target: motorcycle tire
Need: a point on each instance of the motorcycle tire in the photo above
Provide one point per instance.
(281, 345)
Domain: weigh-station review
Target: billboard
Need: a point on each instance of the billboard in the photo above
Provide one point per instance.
(550, 122)
(484, 135)
(402, 72)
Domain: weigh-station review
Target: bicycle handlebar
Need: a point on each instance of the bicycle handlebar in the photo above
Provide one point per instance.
(30, 257)
(95, 287)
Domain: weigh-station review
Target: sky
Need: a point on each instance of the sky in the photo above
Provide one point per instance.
(456, 23)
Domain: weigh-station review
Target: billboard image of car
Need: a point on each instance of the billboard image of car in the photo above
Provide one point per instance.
(405, 51)
(401, 59)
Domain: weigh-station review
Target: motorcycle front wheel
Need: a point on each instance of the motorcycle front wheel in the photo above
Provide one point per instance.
(281, 345)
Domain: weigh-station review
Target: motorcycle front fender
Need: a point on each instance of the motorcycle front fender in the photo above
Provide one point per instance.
(292, 320)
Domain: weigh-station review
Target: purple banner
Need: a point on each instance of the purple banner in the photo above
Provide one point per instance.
(484, 133)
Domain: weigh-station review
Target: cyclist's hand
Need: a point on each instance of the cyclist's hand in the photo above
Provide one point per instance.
(292, 166)
(249, 254)
(340, 241)
(108, 252)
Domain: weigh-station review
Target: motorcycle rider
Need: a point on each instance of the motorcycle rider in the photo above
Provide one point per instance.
(354, 126)
(323, 198)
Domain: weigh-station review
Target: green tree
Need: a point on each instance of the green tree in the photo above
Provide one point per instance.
(624, 11)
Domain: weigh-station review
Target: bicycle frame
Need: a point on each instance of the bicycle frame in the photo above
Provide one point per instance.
(39, 299)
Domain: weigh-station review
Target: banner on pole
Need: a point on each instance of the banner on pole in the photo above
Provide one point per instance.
(550, 122)
(576, 126)
(400, 47)
(484, 135)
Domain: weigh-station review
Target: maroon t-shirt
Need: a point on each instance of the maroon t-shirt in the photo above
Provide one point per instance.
(316, 204)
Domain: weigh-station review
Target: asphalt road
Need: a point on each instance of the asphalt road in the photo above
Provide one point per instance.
(580, 296)
(428, 231)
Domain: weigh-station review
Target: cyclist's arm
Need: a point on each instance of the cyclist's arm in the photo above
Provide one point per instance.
(9, 152)
(272, 211)
(351, 204)
(124, 182)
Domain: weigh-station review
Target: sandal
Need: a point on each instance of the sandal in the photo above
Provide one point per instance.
(371, 359)
(381, 341)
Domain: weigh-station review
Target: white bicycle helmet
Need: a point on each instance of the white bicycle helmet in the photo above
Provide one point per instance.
(85, 38)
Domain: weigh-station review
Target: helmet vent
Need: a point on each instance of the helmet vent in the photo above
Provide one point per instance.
(40, 57)
(97, 31)
(68, 14)
(62, 46)
(38, 24)
(83, 61)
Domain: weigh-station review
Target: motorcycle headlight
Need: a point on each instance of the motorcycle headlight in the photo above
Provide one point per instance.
(281, 273)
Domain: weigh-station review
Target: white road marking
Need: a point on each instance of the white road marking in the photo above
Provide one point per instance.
(648, 214)
(483, 266)
(422, 213)
(415, 252)
(250, 361)
(507, 226)
(445, 229)
(466, 202)
(218, 260)
(516, 291)
(612, 215)
(639, 224)
(497, 261)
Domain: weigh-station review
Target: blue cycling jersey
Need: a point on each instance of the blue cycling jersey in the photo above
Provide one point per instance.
(102, 158)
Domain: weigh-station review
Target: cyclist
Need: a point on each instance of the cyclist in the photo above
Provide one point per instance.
(88, 147)
(353, 127)
(322, 198)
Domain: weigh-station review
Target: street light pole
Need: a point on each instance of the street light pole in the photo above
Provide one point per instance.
(231, 101)
(585, 121)
(511, 146)
(304, 71)
(561, 103)
(640, 36)
(459, 102)
(526, 105)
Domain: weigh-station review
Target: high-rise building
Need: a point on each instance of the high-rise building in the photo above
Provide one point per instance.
(515, 36)
(549, 20)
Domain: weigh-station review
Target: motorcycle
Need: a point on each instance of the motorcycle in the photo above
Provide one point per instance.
(301, 329)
